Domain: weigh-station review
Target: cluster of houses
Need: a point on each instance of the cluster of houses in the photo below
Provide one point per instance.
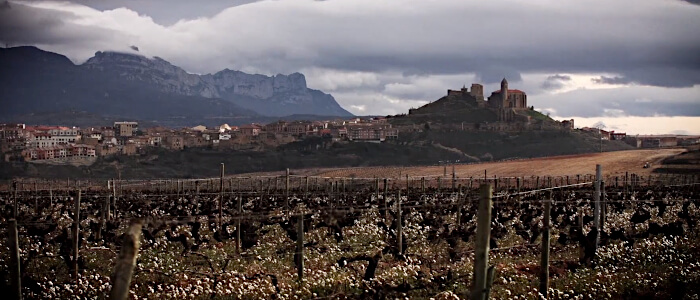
(646, 141)
(38, 143)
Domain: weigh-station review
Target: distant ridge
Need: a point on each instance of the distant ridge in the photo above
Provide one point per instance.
(34, 81)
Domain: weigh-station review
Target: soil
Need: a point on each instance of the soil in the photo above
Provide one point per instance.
(613, 163)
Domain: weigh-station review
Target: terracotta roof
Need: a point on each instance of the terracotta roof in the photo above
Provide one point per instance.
(510, 91)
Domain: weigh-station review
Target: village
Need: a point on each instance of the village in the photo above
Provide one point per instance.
(73, 145)
(61, 144)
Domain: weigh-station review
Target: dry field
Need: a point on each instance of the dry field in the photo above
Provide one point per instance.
(613, 163)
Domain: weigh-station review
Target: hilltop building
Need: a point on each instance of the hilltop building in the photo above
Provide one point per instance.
(506, 98)
(477, 92)
(126, 129)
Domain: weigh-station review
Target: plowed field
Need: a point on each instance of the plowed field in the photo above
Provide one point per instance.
(613, 163)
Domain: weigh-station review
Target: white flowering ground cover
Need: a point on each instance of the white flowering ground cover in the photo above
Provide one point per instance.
(649, 247)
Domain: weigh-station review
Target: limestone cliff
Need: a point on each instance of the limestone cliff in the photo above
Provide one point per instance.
(277, 95)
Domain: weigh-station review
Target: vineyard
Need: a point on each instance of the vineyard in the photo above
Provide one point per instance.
(302, 237)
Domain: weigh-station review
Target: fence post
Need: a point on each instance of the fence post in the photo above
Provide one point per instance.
(126, 261)
(103, 213)
(238, 219)
(399, 227)
(14, 200)
(15, 271)
(459, 207)
(544, 262)
(483, 232)
(625, 184)
(386, 206)
(300, 247)
(408, 188)
(376, 188)
(114, 199)
(286, 189)
(76, 234)
(596, 212)
(604, 208)
(454, 179)
(221, 201)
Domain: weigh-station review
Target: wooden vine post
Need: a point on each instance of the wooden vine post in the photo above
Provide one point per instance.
(544, 262)
(596, 211)
(399, 227)
(221, 201)
(15, 272)
(408, 188)
(386, 205)
(14, 200)
(625, 184)
(454, 179)
(76, 234)
(483, 233)
(300, 247)
(126, 262)
(114, 198)
(459, 207)
(286, 190)
(376, 188)
(240, 215)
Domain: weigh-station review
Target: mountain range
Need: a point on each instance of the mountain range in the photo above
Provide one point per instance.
(33, 81)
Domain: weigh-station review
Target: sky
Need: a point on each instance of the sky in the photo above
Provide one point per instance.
(625, 65)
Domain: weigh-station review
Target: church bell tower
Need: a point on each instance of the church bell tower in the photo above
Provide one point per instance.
(504, 93)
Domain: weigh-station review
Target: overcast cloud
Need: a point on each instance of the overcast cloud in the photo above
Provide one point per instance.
(590, 59)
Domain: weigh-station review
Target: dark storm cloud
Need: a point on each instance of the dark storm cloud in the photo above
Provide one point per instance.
(668, 77)
(21, 24)
(642, 102)
(555, 82)
(167, 12)
(611, 80)
(644, 41)
(379, 53)
(494, 75)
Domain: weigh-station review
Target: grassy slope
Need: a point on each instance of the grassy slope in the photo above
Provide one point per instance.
(321, 153)
(519, 145)
(203, 162)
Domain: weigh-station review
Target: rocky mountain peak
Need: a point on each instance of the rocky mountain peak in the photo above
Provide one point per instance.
(288, 92)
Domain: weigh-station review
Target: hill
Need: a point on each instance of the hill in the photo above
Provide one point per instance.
(465, 122)
(192, 163)
(131, 86)
(37, 82)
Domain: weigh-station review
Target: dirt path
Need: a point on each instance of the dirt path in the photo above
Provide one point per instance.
(613, 163)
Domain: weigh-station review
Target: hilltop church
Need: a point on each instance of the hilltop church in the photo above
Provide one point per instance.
(505, 98)
(504, 102)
